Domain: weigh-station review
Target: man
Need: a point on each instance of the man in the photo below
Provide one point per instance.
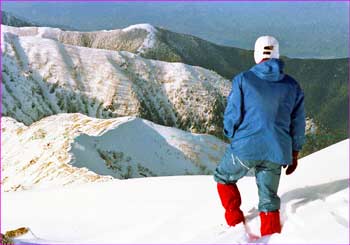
(265, 121)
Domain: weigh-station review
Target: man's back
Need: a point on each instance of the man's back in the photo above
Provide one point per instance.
(264, 114)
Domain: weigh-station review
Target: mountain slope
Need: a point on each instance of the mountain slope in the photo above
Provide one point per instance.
(314, 210)
(9, 19)
(72, 148)
(42, 77)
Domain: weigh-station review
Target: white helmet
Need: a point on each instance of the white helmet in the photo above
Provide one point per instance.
(266, 47)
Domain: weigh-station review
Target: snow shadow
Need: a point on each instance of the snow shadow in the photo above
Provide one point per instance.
(132, 149)
(74, 73)
(304, 195)
(312, 193)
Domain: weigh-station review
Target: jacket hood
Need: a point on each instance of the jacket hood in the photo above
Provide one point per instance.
(271, 70)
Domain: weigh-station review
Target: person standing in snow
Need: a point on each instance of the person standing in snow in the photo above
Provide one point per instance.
(265, 122)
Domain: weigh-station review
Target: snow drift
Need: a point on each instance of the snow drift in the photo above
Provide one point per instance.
(73, 148)
(315, 208)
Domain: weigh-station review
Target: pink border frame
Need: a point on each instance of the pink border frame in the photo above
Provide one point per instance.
(176, 1)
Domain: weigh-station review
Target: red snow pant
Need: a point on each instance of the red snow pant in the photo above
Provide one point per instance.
(231, 201)
(270, 223)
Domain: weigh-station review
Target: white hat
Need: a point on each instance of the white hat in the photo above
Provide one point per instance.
(266, 47)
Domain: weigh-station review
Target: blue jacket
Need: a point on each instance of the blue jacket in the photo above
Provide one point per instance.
(264, 116)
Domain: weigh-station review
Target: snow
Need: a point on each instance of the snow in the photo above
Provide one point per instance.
(186, 209)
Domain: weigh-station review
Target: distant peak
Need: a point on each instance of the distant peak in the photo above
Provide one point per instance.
(149, 42)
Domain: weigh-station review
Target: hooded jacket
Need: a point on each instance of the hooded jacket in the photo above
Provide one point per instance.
(264, 117)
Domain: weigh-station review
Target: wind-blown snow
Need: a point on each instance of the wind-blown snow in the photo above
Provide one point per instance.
(315, 208)
(72, 148)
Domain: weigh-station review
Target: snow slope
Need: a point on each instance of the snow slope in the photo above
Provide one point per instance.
(72, 148)
(186, 209)
(42, 77)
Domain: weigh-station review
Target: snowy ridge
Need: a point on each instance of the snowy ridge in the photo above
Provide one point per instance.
(186, 209)
(136, 38)
(42, 77)
(44, 32)
(72, 148)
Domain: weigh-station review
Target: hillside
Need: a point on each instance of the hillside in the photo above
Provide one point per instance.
(72, 148)
(323, 81)
(11, 20)
(186, 209)
(42, 77)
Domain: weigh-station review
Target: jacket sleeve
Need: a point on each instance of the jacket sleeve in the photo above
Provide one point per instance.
(233, 111)
(297, 128)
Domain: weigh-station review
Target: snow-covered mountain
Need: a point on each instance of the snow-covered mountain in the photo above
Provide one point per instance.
(327, 77)
(186, 209)
(42, 76)
(73, 148)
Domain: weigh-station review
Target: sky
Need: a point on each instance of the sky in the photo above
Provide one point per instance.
(304, 29)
